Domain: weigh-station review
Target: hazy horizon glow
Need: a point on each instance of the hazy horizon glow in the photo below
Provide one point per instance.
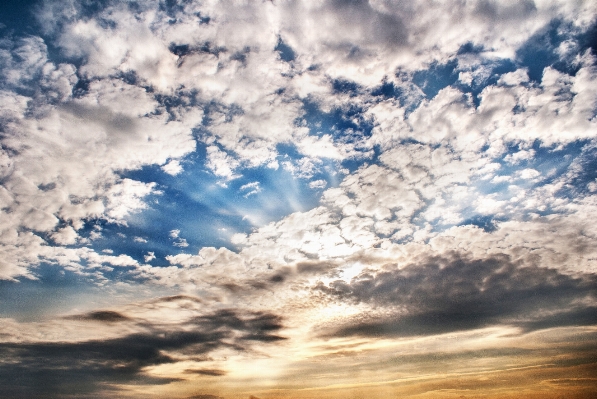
(298, 199)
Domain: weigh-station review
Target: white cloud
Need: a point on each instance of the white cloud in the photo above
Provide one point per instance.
(65, 236)
(517, 157)
(319, 147)
(127, 197)
(514, 78)
(528, 173)
(501, 179)
(221, 163)
(318, 184)
(181, 243)
(250, 189)
(172, 167)
(62, 164)
(178, 240)
(149, 256)
(487, 205)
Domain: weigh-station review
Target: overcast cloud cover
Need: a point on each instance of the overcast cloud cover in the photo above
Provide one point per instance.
(307, 199)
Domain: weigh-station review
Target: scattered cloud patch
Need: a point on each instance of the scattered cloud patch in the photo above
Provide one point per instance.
(250, 189)
(173, 167)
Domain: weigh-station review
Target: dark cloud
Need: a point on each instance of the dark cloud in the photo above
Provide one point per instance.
(455, 293)
(208, 372)
(57, 369)
(258, 327)
(204, 397)
(280, 275)
(118, 126)
(178, 298)
(182, 50)
(314, 267)
(108, 316)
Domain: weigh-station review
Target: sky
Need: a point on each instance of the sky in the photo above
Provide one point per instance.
(298, 199)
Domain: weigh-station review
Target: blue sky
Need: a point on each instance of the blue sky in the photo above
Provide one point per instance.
(225, 187)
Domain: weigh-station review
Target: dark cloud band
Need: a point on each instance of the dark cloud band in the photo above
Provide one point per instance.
(454, 293)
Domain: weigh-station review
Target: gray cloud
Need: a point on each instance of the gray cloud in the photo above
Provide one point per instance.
(55, 369)
(380, 27)
(315, 267)
(452, 293)
(493, 10)
(208, 372)
(107, 316)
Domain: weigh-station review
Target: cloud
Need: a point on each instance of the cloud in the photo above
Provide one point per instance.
(517, 157)
(318, 184)
(172, 168)
(440, 295)
(208, 372)
(221, 164)
(405, 131)
(68, 172)
(133, 87)
(178, 241)
(250, 189)
(149, 257)
(108, 316)
(65, 236)
(90, 367)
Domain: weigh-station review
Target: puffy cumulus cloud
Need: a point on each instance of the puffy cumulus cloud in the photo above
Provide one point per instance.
(221, 163)
(375, 193)
(209, 59)
(126, 197)
(398, 34)
(23, 60)
(61, 159)
(199, 47)
(561, 242)
(66, 235)
(418, 199)
(173, 167)
(559, 110)
(256, 95)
